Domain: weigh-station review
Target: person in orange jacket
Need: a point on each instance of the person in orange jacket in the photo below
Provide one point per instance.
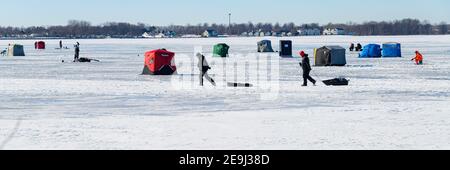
(418, 58)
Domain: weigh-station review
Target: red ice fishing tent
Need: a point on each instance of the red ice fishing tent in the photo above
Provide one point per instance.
(159, 62)
(39, 45)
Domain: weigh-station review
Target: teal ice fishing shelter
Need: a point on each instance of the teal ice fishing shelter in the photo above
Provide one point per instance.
(221, 50)
(15, 50)
(265, 46)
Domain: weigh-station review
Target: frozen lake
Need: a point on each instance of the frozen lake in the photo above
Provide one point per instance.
(390, 103)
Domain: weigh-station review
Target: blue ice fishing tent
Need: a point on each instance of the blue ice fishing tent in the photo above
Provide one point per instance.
(392, 50)
(371, 51)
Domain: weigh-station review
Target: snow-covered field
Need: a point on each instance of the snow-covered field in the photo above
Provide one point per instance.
(390, 103)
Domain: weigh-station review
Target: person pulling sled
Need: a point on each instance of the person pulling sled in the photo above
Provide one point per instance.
(204, 68)
(306, 67)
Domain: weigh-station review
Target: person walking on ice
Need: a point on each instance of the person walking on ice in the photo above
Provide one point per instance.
(306, 67)
(418, 58)
(3, 53)
(203, 66)
(77, 52)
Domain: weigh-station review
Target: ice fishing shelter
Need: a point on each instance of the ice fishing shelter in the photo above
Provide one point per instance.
(265, 46)
(39, 45)
(392, 50)
(159, 62)
(285, 48)
(371, 51)
(15, 50)
(330, 56)
(221, 50)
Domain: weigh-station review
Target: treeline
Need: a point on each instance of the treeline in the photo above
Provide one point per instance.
(235, 29)
(80, 29)
(398, 27)
(84, 29)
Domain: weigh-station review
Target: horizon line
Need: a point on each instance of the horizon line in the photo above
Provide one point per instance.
(235, 23)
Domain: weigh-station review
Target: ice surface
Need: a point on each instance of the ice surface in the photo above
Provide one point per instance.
(390, 103)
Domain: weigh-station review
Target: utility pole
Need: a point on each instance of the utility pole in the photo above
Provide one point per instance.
(229, 23)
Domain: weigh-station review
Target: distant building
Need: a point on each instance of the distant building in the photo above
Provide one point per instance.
(309, 32)
(163, 34)
(210, 33)
(35, 35)
(334, 31)
(191, 36)
(170, 34)
(276, 34)
(160, 35)
(147, 35)
(261, 34)
(273, 33)
(295, 33)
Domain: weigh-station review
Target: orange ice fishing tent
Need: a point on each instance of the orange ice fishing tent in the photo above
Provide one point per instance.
(159, 62)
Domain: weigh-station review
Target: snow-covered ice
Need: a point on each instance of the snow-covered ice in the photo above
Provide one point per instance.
(390, 103)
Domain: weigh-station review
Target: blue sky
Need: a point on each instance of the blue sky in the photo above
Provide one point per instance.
(181, 12)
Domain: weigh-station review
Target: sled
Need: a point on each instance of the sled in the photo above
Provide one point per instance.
(86, 60)
(337, 82)
(239, 85)
(64, 48)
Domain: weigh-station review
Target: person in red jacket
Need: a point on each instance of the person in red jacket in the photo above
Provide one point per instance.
(418, 59)
(306, 67)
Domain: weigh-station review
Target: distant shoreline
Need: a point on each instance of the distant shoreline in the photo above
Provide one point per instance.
(287, 37)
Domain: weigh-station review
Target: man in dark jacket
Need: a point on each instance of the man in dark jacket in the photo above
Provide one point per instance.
(359, 47)
(77, 52)
(352, 47)
(203, 66)
(306, 66)
(3, 53)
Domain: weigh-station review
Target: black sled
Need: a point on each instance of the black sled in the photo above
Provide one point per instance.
(337, 82)
(239, 85)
